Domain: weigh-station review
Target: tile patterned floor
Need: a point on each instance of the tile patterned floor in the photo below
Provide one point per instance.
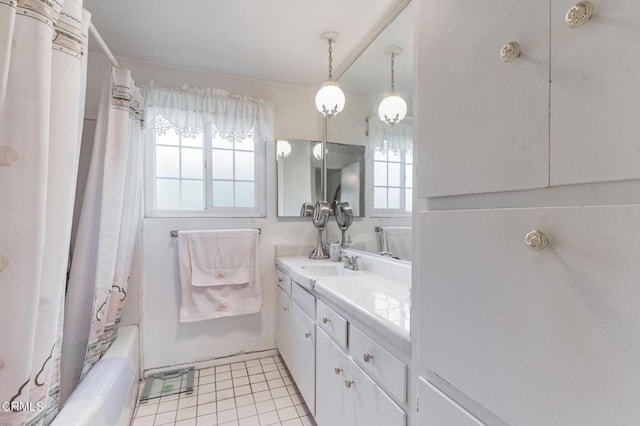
(252, 393)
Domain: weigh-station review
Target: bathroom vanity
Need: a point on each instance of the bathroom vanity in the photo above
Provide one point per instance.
(344, 336)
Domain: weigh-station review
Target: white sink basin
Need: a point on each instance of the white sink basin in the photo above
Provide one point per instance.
(325, 270)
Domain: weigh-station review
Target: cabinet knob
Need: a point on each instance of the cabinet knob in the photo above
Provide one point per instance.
(536, 240)
(280, 280)
(348, 383)
(367, 357)
(307, 334)
(579, 13)
(510, 51)
(337, 370)
(286, 308)
(325, 320)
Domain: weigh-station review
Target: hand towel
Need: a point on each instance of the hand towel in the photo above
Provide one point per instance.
(219, 274)
(398, 241)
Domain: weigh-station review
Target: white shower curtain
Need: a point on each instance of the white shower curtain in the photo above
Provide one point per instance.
(42, 88)
(109, 218)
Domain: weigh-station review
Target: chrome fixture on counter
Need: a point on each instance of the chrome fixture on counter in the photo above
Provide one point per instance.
(344, 216)
(351, 262)
(321, 212)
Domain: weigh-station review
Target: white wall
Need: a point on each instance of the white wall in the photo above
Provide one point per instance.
(154, 285)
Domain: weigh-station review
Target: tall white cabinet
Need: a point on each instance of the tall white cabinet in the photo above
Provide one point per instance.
(526, 316)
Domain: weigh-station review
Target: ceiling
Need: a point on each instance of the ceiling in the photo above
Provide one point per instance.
(274, 40)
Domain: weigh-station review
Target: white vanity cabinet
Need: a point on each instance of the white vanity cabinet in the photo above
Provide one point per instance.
(438, 409)
(347, 396)
(303, 356)
(563, 112)
(283, 325)
(547, 336)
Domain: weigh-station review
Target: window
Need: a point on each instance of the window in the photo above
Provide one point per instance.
(392, 181)
(205, 175)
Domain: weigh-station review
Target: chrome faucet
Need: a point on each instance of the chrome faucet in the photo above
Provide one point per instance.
(350, 262)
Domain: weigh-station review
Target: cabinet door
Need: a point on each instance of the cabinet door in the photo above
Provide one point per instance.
(283, 326)
(437, 409)
(370, 405)
(483, 124)
(537, 337)
(333, 406)
(595, 93)
(303, 348)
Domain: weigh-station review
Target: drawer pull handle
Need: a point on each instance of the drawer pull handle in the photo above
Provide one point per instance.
(348, 383)
(325, 320)
(367, 357)
(510, 52)
(579, 14)
(536, 240)
(307, 334)
(337, 370)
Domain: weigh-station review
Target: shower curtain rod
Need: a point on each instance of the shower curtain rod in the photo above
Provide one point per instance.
(94, 32)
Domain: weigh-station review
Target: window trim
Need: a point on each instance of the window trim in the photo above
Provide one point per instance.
(377, 212)
(150, 187)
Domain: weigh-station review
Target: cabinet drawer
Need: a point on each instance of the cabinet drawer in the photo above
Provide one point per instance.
(284, 281)
(304, 299)
(388, 370)
(332, 323)
(437, 409)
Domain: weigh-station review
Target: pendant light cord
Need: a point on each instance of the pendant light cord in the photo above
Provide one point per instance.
(330, 59)
(393, 81)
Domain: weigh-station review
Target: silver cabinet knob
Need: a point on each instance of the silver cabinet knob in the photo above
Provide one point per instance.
(579, 13)
(337, 370)
(280, 280)
(367, 357)
(536, 240)
(510, 51)
(325, 320)
(348, 383)
(286, 308)
(307, 334)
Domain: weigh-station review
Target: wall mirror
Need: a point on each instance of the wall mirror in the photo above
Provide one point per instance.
(386, 226)
(300, 179)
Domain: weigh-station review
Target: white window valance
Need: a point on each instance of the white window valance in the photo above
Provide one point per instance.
(385, 137)
(188, 110)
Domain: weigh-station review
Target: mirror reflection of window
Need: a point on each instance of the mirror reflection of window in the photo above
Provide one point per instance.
(392, 180)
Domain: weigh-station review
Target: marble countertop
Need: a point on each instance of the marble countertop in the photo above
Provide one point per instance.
(370, 300)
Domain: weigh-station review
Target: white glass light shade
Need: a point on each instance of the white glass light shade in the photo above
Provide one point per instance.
(283, 149)
(317, 151)
(330, 99)
(392, 108)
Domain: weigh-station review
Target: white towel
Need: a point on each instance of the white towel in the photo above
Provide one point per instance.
(219, 274)
(398, 241)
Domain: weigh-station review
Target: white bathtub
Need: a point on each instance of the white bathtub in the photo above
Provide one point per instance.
(107, 395)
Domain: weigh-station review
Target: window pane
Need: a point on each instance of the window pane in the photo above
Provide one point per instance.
(380, 173)
(408, 199)
(408, 157)
(219, 142)
(379, 198)
(381, 156)
(192, 195)
(408, 176)
(222, 164)
(194, 142)
(222, 194)
(394, 174)
(168, 194)
(246, 144)
(167, 161)
(192, 164)
(394, 157)
(169, 138)
(245, 194)
(244, 165)
(395, 202)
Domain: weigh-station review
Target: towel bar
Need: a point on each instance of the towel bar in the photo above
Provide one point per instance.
(174, 233)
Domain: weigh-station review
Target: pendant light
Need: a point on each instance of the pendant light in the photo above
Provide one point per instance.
(392, 108)
(330, 98)
(283, 149)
